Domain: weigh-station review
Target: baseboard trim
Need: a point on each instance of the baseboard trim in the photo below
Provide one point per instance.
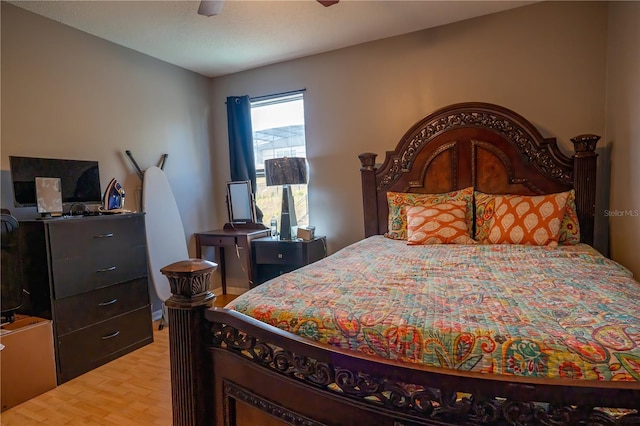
(231, 290)
(156, 315)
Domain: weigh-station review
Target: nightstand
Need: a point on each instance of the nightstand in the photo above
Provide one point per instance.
(273, 257)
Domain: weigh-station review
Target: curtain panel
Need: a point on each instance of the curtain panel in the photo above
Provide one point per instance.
(241, 157)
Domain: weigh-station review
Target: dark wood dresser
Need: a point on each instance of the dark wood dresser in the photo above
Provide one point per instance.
(89, 275)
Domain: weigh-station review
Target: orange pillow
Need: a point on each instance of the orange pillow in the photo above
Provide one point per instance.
(519, 219)
(442, 223)
(399, 201)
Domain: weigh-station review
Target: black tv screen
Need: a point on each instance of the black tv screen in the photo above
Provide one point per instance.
(80, 179)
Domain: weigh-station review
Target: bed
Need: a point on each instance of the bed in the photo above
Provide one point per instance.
(389, 333)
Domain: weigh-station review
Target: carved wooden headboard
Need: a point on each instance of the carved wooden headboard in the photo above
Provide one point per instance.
(486, 146)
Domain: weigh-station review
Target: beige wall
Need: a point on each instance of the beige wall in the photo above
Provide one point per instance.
(623, 132)
(545, 61)
(67, 94)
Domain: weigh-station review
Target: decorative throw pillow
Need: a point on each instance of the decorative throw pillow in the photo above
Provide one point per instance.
(399, 201)
(519, 219)
(570, 227)
(443, 223)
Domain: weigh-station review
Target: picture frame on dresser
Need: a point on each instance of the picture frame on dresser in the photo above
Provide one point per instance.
(48, 196)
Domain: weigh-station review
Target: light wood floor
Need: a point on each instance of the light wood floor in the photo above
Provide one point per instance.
(132, 390)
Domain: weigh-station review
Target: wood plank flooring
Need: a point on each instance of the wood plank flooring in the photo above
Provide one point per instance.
(132, 390)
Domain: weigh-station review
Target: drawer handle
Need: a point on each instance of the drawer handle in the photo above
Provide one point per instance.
(110, 268)
(111, 336)
(110, 302)
(107, 235)
(279, 255)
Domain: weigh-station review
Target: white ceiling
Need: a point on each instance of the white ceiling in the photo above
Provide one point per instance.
(249, 34)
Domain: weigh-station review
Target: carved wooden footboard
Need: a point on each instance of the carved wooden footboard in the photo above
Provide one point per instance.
(229, 369)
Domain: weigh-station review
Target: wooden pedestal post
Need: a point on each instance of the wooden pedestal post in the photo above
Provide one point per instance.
(370, 204)
(584, 182)
(190, 285)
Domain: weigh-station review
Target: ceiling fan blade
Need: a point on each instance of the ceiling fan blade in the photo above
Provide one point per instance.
(210, 7)
(327, 3)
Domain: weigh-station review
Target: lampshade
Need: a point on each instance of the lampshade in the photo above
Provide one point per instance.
(285, 171)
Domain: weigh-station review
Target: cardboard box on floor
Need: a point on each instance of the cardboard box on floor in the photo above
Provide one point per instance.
(27, 360)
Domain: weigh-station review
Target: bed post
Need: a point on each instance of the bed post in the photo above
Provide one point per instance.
(369, 193)
(584, 183)
(190, 371)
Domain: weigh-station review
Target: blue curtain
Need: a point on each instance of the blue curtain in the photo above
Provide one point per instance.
(242, 161)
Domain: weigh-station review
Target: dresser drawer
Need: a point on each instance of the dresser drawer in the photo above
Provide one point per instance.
(86, 349)
(219, 240)
(280, 253)
(76, 312)
(99, 236)
(97, 252)
(78, 275)
(269, 271)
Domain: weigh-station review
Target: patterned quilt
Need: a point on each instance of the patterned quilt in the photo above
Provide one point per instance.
(563, 312)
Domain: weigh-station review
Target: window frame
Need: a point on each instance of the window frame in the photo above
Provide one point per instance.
(279, 152)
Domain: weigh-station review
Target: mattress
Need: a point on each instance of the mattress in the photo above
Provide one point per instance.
(562, 312)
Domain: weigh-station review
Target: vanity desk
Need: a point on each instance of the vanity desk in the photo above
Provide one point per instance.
(229, 236)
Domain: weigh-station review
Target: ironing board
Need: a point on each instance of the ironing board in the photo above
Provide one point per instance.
(166, 241)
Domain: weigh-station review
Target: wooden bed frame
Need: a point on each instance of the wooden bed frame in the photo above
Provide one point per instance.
(229, 369)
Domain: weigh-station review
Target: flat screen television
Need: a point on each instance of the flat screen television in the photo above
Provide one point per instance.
(80, 179)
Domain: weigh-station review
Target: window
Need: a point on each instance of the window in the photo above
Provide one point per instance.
(278, 131)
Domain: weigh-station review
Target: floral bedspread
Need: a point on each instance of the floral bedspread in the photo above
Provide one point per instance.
(505, 309)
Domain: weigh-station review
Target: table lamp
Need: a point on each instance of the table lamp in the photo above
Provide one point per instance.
(286, 171)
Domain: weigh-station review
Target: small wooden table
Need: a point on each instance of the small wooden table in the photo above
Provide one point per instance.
(221, 238)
